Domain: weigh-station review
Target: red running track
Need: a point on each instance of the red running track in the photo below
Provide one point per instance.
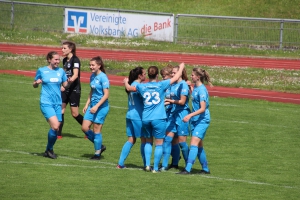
(195, 59)
(289, 64)
(213, 91)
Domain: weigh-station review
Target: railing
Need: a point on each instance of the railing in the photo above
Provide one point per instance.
(237, 31)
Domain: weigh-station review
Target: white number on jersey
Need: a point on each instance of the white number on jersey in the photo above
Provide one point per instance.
(148, 95)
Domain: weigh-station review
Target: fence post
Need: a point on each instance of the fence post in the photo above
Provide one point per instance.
(281, 34)
(12, 15)
(176, 29)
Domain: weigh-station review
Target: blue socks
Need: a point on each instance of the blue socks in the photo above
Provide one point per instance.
(202, 158)
(157, 156)
(185, 150)
(166, 151)
(175, 152)
(142, 149)
(90, 135)
(148, 152)
(125, 152)
(191, 158)
(52, 137)
(97, 142)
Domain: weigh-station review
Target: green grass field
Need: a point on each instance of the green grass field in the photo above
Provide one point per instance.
(252, 148)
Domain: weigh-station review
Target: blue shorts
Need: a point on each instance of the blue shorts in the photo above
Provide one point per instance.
(199, 129)
(177, 126)
(155, 128)
(134, 128)
(51, 110)
(98, 117)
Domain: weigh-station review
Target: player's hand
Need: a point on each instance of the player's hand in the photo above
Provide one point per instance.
(84, 109)
(125, 80)
(186, 118)
(94, 109)
(39, 81)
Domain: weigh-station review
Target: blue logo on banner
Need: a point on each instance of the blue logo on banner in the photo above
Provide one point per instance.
(77, 22)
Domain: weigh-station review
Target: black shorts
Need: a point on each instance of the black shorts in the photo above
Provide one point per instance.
(71, 97)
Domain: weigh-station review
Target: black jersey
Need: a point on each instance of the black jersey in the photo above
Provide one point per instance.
(69, 66)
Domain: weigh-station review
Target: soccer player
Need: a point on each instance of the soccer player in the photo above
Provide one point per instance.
(177, 130)
(200, 120)
(166, 73)
(134, 127)
(97, 106)
(154, 115)
(51, 77)
(71, 64)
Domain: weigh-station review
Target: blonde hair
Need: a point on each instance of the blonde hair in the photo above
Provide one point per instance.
(204, 76)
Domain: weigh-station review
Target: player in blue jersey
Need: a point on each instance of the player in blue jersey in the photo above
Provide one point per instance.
(177, 130)
(51, 77)
(200, 120)
(154, 115)
(97, 106)
(166, 73)
(134, 127)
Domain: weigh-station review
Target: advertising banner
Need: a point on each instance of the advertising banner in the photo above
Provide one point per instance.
(116, 24)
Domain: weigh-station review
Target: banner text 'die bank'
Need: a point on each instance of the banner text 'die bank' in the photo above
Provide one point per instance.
(115, 24)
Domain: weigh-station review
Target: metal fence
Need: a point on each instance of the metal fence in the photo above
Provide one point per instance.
(237, 31)
(261, 33)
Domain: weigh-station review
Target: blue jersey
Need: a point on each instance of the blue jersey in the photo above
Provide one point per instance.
(98, 83)
(200, 94)
(178, 90)
(51, 82)
(153, 94)
(168, 96)
(135, 105)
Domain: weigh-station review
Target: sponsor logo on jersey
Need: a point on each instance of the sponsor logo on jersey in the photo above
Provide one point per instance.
(53, 80)
(77, 22)
(76, 65)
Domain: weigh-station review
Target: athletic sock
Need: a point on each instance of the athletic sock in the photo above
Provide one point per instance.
(184, 150)
(202, 159)
(97, 143)
(90, 135)
(79, 119)
(125, 152)
(142, 149)
(61, 125)
(191, 158)
(175, 152)
(148, 153)
(52, 137)
(157, 156)
(166, 150)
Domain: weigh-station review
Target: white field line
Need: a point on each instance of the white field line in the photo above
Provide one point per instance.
(114, 168)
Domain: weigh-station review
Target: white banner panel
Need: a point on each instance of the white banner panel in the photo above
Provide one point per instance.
(115, 24)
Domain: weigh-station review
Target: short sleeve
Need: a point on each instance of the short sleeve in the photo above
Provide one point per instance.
(105, 82)
(76, 62)
(38, 75)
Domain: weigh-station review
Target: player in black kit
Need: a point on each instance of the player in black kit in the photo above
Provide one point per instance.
(71, 65)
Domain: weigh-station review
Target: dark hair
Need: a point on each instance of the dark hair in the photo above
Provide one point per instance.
(50, 55)
(184, 74)
(71, 45)
(204, 76)
(134, 75)
(99, 61)
(152, 72)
